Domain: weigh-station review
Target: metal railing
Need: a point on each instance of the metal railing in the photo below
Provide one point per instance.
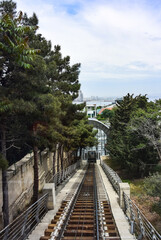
(61, 176)
(139, 225)
(112, 176)
(22, 226)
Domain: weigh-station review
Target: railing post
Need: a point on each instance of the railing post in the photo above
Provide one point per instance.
(132, 218)
(6, 234)
(123, 188)
(24, 224)
(142, 230)
(37, 212)
(50, 189)
(153, 235)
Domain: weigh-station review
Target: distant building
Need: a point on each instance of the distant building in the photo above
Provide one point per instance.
(91, 110)
(80, 97)
(108, 108)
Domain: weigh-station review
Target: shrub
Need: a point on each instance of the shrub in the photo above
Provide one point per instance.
(152, 187)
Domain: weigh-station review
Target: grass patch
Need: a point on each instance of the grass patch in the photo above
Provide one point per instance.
(137, 187)
(112, 164)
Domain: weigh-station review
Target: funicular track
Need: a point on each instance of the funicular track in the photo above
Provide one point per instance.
(86, 216)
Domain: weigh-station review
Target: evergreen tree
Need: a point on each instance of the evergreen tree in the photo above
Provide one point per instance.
(8, 7)
(37, 102)
(15, 52)
(129, 149)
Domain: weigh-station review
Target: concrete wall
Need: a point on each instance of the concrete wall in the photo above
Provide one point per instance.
(20, 181)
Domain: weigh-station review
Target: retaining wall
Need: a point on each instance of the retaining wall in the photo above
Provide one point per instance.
(20, 182)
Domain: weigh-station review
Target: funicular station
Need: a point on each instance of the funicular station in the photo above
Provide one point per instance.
(95, 152)
(91, 203)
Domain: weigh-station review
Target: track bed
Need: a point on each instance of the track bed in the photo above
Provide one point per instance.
(86, 216)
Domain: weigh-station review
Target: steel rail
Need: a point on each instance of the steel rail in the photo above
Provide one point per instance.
(96, 202)
(87, 197)
(60, 235)
(79, 223)
(86, 215)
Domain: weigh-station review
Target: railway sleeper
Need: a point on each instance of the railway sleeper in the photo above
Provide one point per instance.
(80, 226)
(44, 237)
(82, 220)
(78, 232)
(112, 233)
(79, 238)
(87, 217)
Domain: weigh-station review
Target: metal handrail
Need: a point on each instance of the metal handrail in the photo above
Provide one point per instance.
(22, 226)
(139, 225)
(61, 176)
(112, 176)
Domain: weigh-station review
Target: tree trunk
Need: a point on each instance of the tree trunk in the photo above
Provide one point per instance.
(54, 160)
(61, 158)
(67, 159)
(5, 207)
(58, 158)
(80, 152)
(36, 175)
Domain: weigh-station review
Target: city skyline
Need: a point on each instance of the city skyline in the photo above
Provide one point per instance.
(118, 42)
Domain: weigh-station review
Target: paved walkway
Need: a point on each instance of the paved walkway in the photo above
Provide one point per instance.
(120, 219)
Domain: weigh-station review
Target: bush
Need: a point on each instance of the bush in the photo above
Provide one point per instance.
(152, 187)
(157, 168)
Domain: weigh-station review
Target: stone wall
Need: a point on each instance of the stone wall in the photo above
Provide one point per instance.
(20, 181)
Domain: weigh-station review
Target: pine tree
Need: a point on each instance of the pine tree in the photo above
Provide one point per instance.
(15, 52)
(128, 149)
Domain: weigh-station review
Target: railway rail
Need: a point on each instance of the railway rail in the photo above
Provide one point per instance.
(86, 215)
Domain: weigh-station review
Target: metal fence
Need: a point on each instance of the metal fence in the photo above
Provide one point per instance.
(21, 227)
(139, 225)
(59, 177)
(112, 176)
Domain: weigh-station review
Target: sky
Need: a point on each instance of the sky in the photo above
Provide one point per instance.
(117, 42)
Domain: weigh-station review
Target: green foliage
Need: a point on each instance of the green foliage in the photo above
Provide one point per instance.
(8, 7)
(3, 162)
(137, 187)
(106, 114)
(14, 41)
(126, 145)
(152, 187)
(37, 89)
(157, 168)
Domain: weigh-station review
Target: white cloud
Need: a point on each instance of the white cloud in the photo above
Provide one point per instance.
(103, 37)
